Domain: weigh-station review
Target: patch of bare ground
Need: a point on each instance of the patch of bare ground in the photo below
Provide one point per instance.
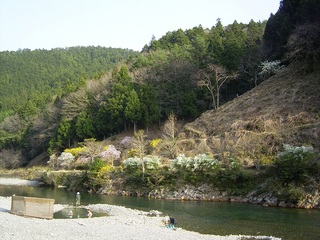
(283, 109)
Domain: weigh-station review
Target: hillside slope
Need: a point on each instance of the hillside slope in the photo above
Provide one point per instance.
(285, 109)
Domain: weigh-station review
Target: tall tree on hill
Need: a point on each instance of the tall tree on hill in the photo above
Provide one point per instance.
(133, 108)
(199, 42)
(250, 63)
(85, 125)
(215, 47)
(149, 105)
(117, 98)
(233, 47)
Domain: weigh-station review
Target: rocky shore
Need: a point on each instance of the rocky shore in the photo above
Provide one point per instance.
(121, 223)
(208, 193)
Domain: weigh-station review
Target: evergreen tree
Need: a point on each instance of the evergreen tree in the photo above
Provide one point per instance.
(133, 108)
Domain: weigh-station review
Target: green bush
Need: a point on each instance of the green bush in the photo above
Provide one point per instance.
(291, 194)
(235, 180)
(94, 181)
(97, 165)
(294, 164)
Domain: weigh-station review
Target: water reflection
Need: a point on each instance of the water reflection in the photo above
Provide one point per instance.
(77, 212)
(204, 217)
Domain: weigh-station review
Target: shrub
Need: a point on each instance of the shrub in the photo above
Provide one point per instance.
(155, 142)
(126, 141)
(133, 152)
(201, 162)
(105, 170)
(111, 153)
(74, 151)
(234, 164)
(293, 164)
(83, 163)
(270, 68)
(10, 158)
(94, 178)
(65, 159)
(151, 162)
(134, 163)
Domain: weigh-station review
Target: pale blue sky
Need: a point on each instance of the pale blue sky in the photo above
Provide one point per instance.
(46, 24)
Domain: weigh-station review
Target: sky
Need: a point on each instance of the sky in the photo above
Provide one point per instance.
(47, 24)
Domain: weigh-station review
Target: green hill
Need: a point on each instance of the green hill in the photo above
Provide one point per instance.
(31, 79)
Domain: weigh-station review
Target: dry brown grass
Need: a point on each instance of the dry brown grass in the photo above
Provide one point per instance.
(283, 109)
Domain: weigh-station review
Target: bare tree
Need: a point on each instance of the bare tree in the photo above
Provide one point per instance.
(169, 128)
(93, 149)
(169, 133)
(11, 159)
(140, 143)
(74, 103)
(213, 78)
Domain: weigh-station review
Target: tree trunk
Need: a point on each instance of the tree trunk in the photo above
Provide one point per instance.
(134, 126)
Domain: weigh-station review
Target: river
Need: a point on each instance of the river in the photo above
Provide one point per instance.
(219, 218)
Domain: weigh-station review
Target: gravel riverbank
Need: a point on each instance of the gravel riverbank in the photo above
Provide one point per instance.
(122, 223)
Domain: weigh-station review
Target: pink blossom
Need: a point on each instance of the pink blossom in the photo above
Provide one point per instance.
(111, 152)
(126, 141)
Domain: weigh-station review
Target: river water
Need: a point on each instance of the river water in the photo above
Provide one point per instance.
(219, 218)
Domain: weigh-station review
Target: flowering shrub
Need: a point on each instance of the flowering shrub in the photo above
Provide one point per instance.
(295, 152)
(83, 163)
(155, 142)
(151, 162)
(201, 162)
(111, 152)
(182, 162)
(126, 141)
(65, 159)
(270, 68)
(74, 151)
(134, 163)
(105, 169)
(133, 152)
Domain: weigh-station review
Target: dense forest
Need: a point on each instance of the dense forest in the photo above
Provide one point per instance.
(30, 79)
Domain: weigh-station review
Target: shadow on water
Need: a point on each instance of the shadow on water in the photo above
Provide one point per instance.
(217, 218)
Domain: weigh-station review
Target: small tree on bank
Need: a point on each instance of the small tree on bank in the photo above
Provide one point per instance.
(169, 134)
(140, 143)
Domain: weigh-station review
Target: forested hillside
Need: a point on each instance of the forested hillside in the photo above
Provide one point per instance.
(30, 79)
(171, 75)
